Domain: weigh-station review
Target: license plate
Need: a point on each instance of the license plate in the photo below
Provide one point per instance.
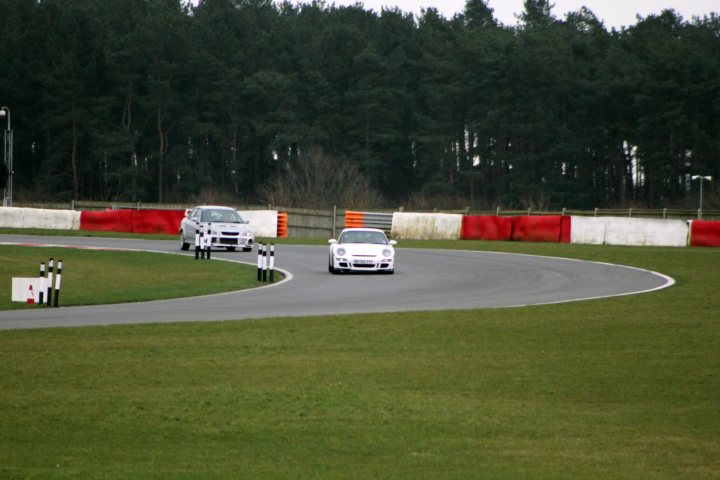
(363, 262)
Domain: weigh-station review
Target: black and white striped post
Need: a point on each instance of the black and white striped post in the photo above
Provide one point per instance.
(208, 238)
(261, 247)
(197, 242)
(57, 282)
(50, 282)
(41, 292)
(265, 262)
(202, 242)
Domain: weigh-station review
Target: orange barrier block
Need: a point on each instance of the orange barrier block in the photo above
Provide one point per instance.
(354, 219)
(282, 224)
(705, 233)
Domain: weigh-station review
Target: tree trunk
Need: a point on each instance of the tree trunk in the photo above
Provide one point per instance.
(161, 154)
(73, 156)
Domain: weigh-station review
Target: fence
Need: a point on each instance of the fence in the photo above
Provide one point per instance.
(310, 223)
(659, 213)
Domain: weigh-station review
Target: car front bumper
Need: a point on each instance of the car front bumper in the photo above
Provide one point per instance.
(363, 264)
(224, 240)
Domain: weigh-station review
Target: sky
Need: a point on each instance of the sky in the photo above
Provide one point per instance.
(613, 13)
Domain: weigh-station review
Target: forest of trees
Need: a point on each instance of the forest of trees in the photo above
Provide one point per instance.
(167, 101)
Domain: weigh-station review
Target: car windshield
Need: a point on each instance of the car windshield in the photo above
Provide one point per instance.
(363, 237)
(220, 215)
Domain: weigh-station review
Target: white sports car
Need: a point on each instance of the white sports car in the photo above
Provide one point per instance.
(227, 228)
(361, 250)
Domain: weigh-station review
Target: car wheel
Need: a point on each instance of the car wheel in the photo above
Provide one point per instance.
(230, 249)
(247, 249)
(183, 244)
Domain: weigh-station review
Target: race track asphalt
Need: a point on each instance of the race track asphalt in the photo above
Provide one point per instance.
(424, 280)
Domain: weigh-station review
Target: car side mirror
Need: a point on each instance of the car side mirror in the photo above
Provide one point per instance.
(392, 242)
(187, 211)
(332, 241)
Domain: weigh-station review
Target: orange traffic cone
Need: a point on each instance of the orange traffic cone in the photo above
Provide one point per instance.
(31, 296)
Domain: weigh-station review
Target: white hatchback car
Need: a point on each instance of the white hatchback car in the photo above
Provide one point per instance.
(361, 250)
(227, 228)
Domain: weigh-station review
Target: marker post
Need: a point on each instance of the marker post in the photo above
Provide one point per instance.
(264, 263)
(41, 293)
(208, 239)
(50, 282)
(197, 242)
(259, 262)
(57, 282)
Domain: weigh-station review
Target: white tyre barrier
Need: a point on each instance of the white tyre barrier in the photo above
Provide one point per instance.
(588, 230)
(646, 232)
(426, 226)
(11, 217)
(263, 223)
(52, 219)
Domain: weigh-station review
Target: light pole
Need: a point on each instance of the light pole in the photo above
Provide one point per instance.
(8, 158)
(702, 180)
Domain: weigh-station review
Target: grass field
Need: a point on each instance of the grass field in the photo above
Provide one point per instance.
(622, 388)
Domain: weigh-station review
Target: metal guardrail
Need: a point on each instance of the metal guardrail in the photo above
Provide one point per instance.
(383, 221)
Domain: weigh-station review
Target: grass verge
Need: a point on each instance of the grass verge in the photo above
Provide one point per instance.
(93, 277)
(621, 388)
(84, 233)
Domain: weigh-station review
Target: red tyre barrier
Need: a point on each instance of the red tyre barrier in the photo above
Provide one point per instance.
(107, 221)
(132, 221)
(705, 233)
(537, 229)
(485, 227)
(157, 221)
(565, 228)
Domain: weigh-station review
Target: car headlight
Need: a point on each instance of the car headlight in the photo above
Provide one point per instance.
(340, 251)
(387, 252)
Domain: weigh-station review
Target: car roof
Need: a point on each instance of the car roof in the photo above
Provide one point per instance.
(361, 229)
(219, 207)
